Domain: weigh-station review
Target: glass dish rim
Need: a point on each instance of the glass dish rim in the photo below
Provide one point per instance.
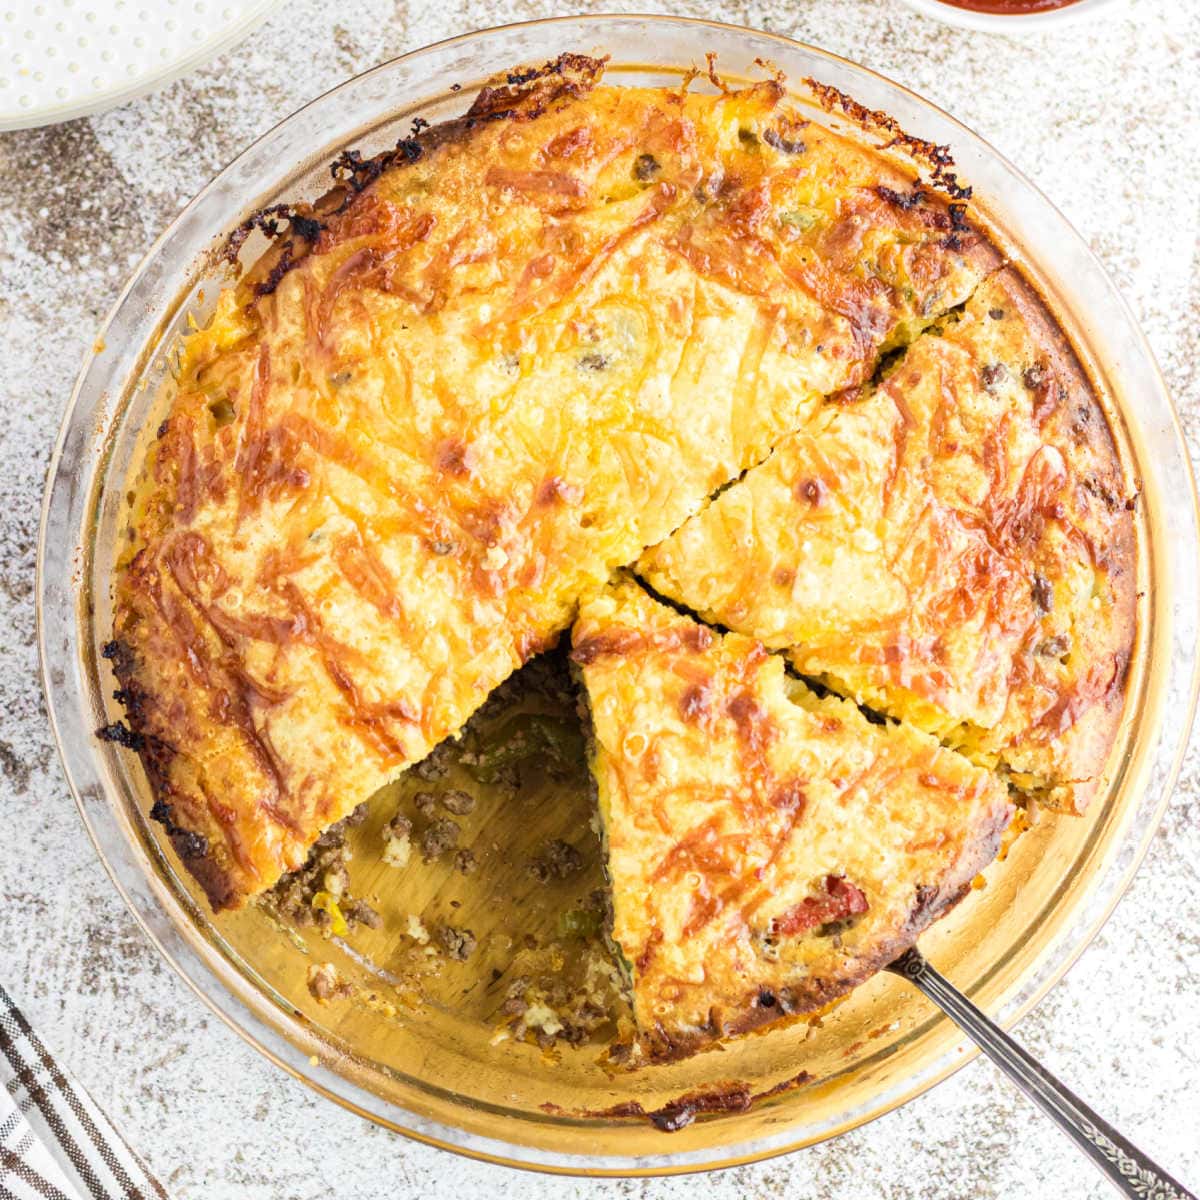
(284, 1047)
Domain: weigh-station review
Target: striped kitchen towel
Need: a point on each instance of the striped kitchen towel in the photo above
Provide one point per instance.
(55, 1144)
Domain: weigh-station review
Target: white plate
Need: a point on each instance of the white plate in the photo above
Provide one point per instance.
(61, 59)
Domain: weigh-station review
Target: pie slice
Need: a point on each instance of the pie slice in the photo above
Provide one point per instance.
(487, 368)
(768, 849)
(953, 547)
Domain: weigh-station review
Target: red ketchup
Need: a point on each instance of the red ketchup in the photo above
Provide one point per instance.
(1009, 7)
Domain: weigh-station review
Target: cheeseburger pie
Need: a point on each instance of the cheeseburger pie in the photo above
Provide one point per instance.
(693, 333)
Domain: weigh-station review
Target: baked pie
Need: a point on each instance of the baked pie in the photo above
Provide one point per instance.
(587, 327)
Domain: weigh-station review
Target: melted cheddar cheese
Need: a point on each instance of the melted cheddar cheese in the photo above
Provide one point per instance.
(952, 547)
(486, 370)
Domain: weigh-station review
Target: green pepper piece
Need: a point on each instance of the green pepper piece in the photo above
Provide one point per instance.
(579, 923)
(526, 736)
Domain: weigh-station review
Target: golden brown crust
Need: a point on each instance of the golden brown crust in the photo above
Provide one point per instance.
(768, 850)
(1090, 708)
(298, 229)
(362, 512)
(954, 547)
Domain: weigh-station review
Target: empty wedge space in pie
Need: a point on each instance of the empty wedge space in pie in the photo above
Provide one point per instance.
(696, 335)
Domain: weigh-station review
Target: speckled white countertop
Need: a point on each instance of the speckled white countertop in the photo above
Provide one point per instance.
(1106, 118)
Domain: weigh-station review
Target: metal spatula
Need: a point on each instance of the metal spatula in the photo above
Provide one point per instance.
(1126, 1167)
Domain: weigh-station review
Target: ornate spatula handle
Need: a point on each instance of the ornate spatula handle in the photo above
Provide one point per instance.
(1124, 1164)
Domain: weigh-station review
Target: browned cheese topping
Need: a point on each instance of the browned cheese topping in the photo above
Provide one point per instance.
(487, 369)
(953, 546)
(768, 849)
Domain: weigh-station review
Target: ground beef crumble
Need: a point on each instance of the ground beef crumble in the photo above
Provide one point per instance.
(359, 912)
(459, 944)
(324, 873)
(458, 802)
(550, 1009)
(397, 841)
(325, 984)
(438, 837)
(558, 860)
(436, 764)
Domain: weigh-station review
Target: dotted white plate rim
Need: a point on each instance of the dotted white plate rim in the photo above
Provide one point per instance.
(222, 36)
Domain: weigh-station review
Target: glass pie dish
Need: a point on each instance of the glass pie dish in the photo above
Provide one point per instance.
(431, 1064)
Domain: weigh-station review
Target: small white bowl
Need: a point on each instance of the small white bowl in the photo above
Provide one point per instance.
(1054, 18)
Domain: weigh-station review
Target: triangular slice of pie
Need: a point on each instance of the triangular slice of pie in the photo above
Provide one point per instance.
(768, 849)
(953, 547)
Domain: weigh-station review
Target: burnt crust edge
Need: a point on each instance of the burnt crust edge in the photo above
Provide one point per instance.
(195, 849)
